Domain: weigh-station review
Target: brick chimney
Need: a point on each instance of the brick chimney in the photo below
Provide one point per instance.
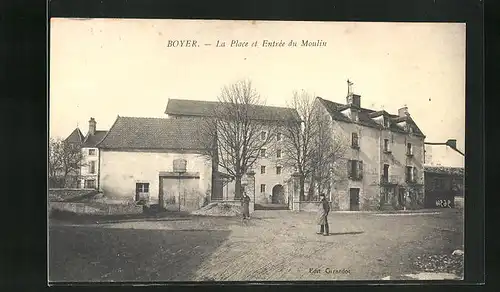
(352, 99)
(403, 112)
(92, 125)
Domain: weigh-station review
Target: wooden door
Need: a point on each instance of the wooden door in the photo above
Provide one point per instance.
(401, 197)
(354, 199)
(169, 193)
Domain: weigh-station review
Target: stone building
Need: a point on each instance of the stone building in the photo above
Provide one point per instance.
(155, 161)
(442, 185)
(89, 170)
(271, 174)
(383, 167)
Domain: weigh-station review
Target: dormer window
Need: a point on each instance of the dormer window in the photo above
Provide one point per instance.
(263, 135)
(387, 122)
(354, 115)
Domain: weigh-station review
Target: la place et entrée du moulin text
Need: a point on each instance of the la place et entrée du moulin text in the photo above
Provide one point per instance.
(247, 44)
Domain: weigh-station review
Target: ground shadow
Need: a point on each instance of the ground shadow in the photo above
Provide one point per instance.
(346, 233)
(85, 253)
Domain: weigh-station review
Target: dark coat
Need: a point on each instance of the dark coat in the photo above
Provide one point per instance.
(245, 203)
(323, 210)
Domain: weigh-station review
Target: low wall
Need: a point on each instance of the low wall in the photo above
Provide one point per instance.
(63, 195)
(236, 203)
(96, 209)
(309, 206)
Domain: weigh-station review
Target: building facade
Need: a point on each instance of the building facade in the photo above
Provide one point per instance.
(271, 173)
(442, 185)
(155, 161)
(383, 165)
(89, 165)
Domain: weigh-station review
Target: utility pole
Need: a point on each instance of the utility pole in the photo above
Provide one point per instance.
(452, 143)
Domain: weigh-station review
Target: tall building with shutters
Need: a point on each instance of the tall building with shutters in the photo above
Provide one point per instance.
(383, 166)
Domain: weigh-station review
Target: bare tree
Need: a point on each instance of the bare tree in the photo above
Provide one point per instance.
(311, 145)
(65, 161)
(299, 137)
(329, 149)
(234, 131)
(55, 159)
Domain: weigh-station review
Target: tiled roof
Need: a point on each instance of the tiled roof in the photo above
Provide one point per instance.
(92, 140)
(444, 170)
(365, 117)
(75, 137)
(152, 133)
(206, 108)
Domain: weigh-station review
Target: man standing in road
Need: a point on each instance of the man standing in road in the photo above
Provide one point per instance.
(245, 203)
(323, 210)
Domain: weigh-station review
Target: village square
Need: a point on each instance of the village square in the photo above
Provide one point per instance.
(166, 179)
(171, 158)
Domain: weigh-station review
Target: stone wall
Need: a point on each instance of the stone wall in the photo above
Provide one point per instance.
(96, 209)
(62, 195)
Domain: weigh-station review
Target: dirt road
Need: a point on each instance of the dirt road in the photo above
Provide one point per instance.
(272, 246)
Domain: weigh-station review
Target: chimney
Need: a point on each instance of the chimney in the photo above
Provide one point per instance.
(352, 99)
(92, 124)
(403, 112)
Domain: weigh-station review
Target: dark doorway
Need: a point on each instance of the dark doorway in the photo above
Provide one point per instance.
(354, 199)
(278, 195)
(401, 197)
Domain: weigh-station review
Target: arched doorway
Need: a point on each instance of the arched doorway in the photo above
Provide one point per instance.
(278, 196)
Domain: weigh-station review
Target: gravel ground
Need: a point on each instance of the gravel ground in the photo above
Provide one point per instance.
(272, 246)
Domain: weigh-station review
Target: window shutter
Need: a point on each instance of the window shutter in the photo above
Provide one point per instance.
(360, 169)
(349, 168)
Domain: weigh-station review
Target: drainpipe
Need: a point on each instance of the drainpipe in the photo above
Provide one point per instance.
(98, 169)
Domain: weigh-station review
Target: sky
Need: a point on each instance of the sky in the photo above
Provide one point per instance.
(102, 68)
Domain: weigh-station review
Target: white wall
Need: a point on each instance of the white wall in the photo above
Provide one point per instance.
(120, 171)
(86, 167)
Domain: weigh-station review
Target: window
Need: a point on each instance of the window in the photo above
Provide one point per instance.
(438, 184)
(263, 135)
(409, 150)
(278, 169)
(278, 137)
(387, 123)
(355, 169)
(91, 152)
(262, 152)
(385, 175)
(355, 142)
(354, 115)
(262, 169)
(92, 167)
(90, 184)
(386, 146)
(262, 188)
(410, 174)
(278, 153)
(142, 187)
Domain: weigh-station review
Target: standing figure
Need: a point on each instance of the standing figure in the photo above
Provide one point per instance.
(323, 210)
(245, 203)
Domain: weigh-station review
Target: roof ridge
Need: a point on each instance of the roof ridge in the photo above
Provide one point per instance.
(107, 133)
(217, 101)
(142, 117)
